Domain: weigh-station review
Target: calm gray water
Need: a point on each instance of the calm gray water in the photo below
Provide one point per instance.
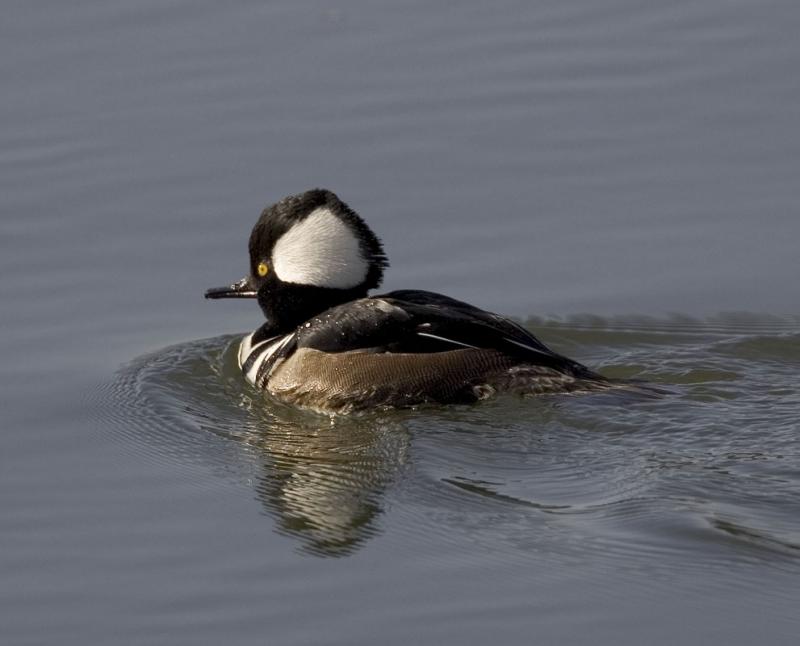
(620, 174)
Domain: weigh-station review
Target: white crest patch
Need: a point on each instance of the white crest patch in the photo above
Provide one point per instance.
(320, 250)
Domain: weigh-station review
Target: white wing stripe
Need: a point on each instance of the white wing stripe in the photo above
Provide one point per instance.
(441, 338)
(527, 347)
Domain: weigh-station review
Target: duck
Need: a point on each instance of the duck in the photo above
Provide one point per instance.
(328, 345)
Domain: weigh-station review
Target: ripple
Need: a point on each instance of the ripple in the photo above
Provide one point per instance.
(696, 480)
(322, 478)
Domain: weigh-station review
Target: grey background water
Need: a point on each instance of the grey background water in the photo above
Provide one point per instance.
(620, 159)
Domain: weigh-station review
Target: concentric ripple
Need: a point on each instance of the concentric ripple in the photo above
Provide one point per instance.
(703, 477)
(322, 478)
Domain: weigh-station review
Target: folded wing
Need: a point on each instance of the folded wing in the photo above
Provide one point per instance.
(414, 321)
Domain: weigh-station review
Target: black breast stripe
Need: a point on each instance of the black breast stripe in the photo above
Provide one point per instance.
(257, 352)
(278, 350)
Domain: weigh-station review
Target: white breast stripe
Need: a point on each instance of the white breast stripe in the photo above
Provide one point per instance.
(274, 344)
(244, 349)
(441, 338)
(527, 347)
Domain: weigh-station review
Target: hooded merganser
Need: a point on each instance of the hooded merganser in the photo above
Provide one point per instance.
(328, 346)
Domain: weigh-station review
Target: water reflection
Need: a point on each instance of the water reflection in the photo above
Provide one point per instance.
(703, 466)
(322, 478)
(325, 485)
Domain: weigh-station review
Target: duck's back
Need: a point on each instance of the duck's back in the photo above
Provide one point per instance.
(412, 347)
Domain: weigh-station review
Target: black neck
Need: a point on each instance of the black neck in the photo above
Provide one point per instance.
(288, 306)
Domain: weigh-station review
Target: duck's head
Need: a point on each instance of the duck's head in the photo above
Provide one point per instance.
(308, 252)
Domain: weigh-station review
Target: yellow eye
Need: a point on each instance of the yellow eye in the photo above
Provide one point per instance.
(262, 269)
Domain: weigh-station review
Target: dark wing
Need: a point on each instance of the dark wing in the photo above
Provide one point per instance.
(412, 321)
(452, 314)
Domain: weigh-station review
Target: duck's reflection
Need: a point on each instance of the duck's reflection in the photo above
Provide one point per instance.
(325, 479)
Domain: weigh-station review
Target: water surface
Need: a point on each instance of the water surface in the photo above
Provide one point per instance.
(620, 175)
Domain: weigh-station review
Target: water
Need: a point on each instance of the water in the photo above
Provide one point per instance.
(593, 168)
